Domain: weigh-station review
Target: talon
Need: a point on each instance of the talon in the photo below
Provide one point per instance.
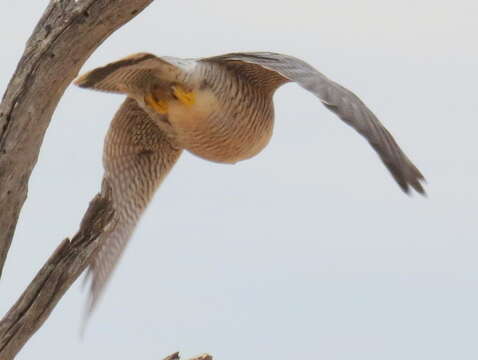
(161, 106)
(185, 97)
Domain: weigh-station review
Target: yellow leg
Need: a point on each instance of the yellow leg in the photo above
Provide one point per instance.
(161, 106)
(187, 98)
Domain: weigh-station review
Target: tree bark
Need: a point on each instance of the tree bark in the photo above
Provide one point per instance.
(175, 356)
(54, 278)
(66, 35)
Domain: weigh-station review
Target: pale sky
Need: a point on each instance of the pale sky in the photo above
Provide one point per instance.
(309, 250)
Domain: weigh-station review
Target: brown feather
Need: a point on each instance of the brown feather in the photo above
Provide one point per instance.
(137, 157)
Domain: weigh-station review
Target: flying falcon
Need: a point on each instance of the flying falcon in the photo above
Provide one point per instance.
(219, 108)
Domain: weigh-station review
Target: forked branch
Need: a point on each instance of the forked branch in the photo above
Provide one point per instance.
(65, 36)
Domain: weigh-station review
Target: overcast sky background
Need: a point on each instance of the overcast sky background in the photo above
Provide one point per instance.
(309, 250)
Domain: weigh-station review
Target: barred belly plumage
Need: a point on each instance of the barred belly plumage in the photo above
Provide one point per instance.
(222, 127)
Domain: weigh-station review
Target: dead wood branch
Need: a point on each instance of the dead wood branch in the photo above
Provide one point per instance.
(54, 278)
(68, 32)
(175, 356)
(66, 35)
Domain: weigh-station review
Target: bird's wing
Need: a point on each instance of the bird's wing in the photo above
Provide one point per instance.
(135, 70)
(345, 104)
(137, 156)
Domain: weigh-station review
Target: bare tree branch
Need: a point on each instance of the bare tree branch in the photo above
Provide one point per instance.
(175, 356)
(66, 35)
(54, 278)
(68, 32)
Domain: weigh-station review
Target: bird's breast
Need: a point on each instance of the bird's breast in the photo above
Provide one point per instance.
(224, 130)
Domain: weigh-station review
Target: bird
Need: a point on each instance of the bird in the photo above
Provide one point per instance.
(219, 108)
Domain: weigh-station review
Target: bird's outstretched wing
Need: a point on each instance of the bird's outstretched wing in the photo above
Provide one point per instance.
(135, 72)
(137, 156)
(114, 76)
(342, 102)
